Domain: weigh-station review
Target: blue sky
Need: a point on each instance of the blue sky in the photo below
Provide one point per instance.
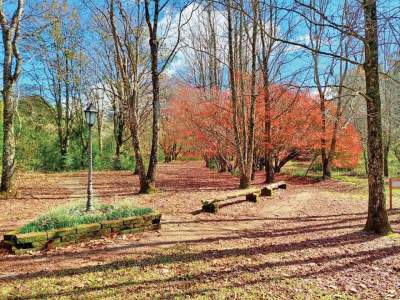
(299, 58)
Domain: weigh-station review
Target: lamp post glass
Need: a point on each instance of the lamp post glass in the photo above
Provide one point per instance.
(90, 114)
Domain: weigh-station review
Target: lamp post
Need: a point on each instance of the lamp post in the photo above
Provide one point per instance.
(90, 114)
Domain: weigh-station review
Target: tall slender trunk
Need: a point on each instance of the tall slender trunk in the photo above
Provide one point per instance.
(152, 24)
(117, 157)
(253, 96)
(149, 185)
(68, 108)
(326, 169)
(386, 160)
(12, 60)
(100, 132)
(267, 45)
(130, 92)
(8, 141)
(241, 116)
(244, 181)
(153, 160)
(118, 136)
(269, 167)
(243, 105)
(365, 157)
(377, 220)
(139, 164)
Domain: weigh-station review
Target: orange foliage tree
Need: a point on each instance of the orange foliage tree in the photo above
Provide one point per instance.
(198, 123)
(203, 121)
(296, 130)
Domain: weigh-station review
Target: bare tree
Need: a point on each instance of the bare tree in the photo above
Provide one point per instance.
(12, 61)
(110, 84)
(153, 8)
(328, 71)
(131, 69)
(204, 49)
(243, 120)
(59, 49)
(273, 57)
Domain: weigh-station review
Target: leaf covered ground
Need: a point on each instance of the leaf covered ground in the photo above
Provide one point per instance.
(303, 243)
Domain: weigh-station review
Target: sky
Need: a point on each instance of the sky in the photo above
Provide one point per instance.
(299, 59)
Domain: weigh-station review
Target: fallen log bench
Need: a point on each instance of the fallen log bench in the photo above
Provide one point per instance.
(252, 195)
(213, 205)
(267, 190)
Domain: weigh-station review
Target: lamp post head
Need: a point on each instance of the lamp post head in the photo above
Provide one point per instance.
(90, 114)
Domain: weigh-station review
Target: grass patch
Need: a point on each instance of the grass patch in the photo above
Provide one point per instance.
(393, 236)
(75, 214)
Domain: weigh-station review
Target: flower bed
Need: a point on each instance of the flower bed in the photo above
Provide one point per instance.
(71, 223)
(21, 243)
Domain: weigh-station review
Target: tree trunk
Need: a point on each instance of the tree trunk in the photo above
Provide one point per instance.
(153, 160)
(244, 181)
(117, 157)
(332, 150)
(119, 124)
(386, 160)
(222, 164)
(136, 171)
(326, 166)
(377, 220)
(254, 168)
(269, 168)
(12, 60)
(365, 156)
(149, 185)
(64, 152)
(139, 164)
(326, 170)
(267, 47)
(8, 142)
(241, 116)
(280, 164)
(100, 133)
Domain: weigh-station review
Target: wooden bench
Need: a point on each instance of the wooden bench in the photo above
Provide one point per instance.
(251, 194)
(213, 205)
(268, 189)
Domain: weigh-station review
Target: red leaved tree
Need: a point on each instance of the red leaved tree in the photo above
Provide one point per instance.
(198, 123)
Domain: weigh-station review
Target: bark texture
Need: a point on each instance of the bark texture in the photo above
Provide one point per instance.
(377, 220)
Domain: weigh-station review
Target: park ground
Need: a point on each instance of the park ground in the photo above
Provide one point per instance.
(305, 242)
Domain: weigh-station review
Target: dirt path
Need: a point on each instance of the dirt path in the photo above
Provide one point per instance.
(307, 238)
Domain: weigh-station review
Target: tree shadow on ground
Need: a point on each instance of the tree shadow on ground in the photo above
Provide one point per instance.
(263, 232)
(353, 238)
(325, 263)
(324, 233)
(325, 227)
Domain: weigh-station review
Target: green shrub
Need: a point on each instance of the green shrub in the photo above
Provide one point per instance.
(38, 146)
(74, 214)
(316, 167)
